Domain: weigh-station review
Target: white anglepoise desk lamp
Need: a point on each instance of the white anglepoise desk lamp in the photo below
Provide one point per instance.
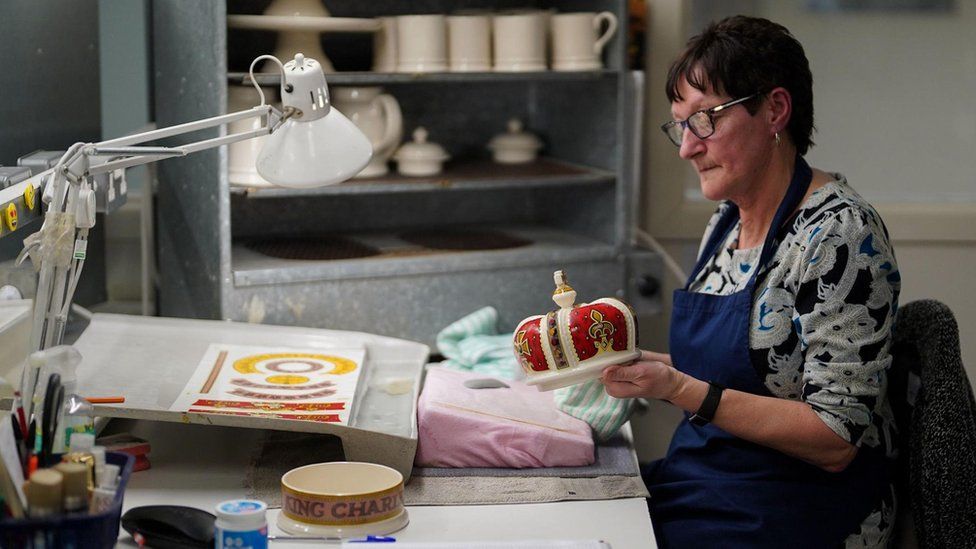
(310, 144)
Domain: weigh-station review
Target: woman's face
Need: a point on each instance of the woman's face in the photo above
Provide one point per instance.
(732, 159)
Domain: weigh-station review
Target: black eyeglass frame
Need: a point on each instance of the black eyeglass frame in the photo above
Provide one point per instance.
(710, 113)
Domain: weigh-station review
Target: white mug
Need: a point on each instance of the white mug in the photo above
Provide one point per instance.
(577, 42)
(385, 45)
(520, 41)
(469, 42)
(421, 43)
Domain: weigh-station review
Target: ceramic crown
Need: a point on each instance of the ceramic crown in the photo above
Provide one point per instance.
(575, 342)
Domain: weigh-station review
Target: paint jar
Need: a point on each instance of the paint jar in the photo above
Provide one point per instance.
(241, 524)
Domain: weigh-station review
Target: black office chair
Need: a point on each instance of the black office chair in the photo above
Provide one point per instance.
(936, 414)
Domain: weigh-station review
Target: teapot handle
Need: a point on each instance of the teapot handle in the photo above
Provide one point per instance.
(393, 132)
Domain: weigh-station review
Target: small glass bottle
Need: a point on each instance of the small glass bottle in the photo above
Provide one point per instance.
(241, 524)
(77, 416)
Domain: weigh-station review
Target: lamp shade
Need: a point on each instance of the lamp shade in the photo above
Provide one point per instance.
(309, 154)
(316, 146)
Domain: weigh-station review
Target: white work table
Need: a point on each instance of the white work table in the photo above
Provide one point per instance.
(199, 466)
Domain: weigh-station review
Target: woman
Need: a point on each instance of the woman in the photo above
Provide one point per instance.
(779, 342)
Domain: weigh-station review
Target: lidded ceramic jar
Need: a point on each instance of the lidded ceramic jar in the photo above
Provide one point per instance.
(575, 342)
(420, 157)
(515, 146)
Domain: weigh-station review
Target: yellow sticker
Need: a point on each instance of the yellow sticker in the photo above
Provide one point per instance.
(287, 380)
(29, 197)
(10, 220)
(293, 363)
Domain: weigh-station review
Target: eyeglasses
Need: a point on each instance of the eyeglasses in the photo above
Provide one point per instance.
(701, 123)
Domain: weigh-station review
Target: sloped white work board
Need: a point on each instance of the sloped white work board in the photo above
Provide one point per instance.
(149, 360)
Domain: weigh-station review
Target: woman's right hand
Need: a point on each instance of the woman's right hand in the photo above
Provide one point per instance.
(650, 376)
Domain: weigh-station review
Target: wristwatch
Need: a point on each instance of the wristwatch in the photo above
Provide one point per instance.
(708, 406)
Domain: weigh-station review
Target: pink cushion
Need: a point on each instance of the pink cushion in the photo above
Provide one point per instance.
(517, 426)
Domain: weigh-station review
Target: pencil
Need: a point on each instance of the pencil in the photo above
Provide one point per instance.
(106, 400)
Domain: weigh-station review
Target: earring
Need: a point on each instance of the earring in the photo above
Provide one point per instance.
(777, 138)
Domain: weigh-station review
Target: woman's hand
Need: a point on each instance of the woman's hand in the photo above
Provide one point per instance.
(660, 357)
(650, 376)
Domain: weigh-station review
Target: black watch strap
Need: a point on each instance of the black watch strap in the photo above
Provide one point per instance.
(706, 412)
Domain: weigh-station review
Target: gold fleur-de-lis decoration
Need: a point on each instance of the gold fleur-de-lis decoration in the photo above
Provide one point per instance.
(601, 330)
(522, 343)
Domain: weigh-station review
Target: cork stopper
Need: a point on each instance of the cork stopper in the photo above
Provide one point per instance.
(564, 294)
(44, 493)
(75, 485)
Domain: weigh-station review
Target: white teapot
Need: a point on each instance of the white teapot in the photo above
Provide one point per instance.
(378, 115)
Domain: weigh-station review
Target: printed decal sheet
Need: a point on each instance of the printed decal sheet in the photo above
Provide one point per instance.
(288, 383)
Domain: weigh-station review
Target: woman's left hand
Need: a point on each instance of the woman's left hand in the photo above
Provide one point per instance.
(647, 377)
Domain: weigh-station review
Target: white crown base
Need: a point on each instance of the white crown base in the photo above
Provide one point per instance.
(587, 370)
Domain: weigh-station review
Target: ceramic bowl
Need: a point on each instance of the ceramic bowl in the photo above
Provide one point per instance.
(576, 342)
(342, 499)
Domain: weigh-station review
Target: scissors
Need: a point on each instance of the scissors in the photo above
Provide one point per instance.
(53, 399)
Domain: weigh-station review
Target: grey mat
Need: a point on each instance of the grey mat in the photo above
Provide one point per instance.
(613, 457)
(614, 475)
(499, 490)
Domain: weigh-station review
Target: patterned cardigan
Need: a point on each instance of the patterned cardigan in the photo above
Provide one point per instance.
(822, 318)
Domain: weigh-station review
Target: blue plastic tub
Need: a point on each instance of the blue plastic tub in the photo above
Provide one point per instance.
(75, 530)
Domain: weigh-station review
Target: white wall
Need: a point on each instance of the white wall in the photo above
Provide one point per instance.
(893, 98)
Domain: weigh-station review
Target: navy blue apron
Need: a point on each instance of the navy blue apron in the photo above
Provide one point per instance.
(716, 490)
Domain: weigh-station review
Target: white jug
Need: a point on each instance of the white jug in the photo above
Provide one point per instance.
(378, 115)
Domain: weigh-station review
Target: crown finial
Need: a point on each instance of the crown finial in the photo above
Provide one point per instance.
(564, 295)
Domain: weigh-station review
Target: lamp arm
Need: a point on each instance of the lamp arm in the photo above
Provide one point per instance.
(144, 155)
(58, 250)
(180, 129)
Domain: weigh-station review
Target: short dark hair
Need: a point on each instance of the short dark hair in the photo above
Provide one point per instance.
(739, 56)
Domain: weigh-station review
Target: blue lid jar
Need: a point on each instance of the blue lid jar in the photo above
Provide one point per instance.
(241, 524)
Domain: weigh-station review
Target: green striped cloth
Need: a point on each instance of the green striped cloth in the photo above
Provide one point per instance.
(589, 402)
(473, 344)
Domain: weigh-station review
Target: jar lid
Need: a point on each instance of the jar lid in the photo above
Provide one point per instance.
(515, 138)
(45, 489)
(242, 512)
(420, 148)
(75, 477)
